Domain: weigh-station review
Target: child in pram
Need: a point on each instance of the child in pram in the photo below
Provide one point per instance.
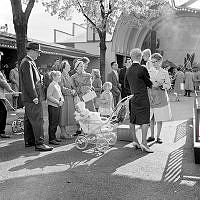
(90, 122)
(96, 130)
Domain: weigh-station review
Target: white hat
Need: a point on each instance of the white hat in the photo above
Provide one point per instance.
(77, 63)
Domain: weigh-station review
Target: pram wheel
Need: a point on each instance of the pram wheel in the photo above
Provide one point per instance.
(102, 145)
(81, 142)
(22, 125)
(14, 126)
(112, 138)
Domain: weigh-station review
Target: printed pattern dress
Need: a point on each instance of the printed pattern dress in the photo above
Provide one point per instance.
(83, 84)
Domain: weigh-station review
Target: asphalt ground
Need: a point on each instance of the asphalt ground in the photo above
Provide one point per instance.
(122, 173)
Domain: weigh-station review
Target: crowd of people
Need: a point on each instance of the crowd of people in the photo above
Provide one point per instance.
(142, 76)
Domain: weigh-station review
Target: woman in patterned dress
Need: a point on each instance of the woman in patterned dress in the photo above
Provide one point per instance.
(82, 82)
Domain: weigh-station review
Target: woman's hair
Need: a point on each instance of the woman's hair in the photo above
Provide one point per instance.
(136, 54)
(96, 73)
(107, 84)
(157, 57)
(63, 65)
(84, 59)
(53, 74)
(147, 52)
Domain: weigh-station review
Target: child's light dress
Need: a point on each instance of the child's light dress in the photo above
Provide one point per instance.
(106, 103)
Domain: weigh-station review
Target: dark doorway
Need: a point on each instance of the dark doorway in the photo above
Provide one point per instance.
(120, 61)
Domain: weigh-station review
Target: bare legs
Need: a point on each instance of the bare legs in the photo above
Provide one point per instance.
(132, 129)
(159, 127)
(63, 134)
(143, 145)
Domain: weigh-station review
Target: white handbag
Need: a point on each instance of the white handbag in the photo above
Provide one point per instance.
(182, 86)
(89, 96)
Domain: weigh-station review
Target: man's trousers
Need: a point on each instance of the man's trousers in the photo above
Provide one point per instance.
(33, 124)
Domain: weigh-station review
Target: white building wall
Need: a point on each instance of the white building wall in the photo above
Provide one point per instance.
(178, 37)
(93, 48)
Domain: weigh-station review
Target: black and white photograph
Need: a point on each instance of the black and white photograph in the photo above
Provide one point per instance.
(100, 100)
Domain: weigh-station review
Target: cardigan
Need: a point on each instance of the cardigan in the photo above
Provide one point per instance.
(54, 94)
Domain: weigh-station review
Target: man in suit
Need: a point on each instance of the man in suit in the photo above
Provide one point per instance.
(113, 77)
(137, 77)
(31, 86)
(124, 91)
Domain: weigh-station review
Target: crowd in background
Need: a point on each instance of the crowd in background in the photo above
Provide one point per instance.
(63, 86)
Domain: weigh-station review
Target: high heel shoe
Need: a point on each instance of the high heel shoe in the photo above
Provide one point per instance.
(136, 145)
(145, 148)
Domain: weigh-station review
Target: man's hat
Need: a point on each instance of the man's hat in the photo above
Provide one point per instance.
(33, 46)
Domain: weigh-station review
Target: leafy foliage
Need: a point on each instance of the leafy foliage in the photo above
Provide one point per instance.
(96, 13)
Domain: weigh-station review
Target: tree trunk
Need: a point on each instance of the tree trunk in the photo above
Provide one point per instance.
(103, 55)
(21, 39)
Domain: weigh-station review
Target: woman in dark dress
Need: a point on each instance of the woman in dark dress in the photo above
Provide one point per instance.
(137, 77)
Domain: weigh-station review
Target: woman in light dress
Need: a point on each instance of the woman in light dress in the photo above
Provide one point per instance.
(97, 85)
(178, 85)
(82, 82)
(67, 120)
(159, 101)
(14, 79)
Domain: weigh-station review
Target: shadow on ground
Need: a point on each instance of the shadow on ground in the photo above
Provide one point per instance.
(92, 177)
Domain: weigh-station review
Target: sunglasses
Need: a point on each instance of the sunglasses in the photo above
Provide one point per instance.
(154, 61)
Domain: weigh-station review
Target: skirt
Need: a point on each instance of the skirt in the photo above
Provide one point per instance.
(139, 108)
(161, 114)
(67, 117)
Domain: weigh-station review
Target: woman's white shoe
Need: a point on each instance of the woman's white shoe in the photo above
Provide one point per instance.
(145, 148)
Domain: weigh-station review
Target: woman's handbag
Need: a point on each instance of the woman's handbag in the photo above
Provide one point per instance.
(182, 86)
(89, 96)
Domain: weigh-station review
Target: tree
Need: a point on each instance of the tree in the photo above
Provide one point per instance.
(20, 21)
(103, 15)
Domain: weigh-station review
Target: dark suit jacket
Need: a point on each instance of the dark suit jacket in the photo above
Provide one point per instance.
(125, 91)
(30, 80)
(116, 90)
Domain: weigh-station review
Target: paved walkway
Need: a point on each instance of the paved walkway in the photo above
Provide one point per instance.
(120, 174)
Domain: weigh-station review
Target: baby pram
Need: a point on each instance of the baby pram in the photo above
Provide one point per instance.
(101, 132)
(18, 123)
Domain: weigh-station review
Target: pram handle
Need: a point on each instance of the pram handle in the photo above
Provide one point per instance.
(10, 104)
(121, 101)
(13, 93)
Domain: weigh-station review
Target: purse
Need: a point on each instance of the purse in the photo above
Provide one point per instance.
(182, 86)
(89, 96)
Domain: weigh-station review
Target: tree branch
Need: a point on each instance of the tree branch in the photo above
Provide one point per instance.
(29, 8)
(93, 24)
(102, 9)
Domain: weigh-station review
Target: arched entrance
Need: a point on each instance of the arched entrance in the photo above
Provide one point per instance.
(176, 35)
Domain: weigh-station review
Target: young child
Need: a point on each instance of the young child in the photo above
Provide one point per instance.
(106, 102)
(89, 121)
(55, 100)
